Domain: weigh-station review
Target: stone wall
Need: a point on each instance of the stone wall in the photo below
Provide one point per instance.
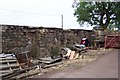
(0, 39)
(38, 40)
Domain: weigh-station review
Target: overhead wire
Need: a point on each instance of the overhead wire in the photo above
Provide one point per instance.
(23, 12)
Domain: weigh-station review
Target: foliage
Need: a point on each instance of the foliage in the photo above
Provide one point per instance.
(55, 51)
(103, 14)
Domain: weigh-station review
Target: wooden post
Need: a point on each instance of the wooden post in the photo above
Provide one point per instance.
(62, 21)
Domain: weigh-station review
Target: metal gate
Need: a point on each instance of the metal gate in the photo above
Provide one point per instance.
(112, 41)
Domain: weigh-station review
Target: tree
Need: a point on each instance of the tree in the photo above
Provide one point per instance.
(103, 14)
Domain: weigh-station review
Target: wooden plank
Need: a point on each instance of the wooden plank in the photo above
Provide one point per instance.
(28, 75)
(50, 65)
(17, 72)
(10, 61)
(51, 61)
(47, 62)
(4, 71)
(7, 59)
(9, 65)
(46, 59)
(3, 67)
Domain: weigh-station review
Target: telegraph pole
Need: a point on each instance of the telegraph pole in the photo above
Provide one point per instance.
(62, 21)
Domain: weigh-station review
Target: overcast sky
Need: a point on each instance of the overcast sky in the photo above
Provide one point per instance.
(46, 13)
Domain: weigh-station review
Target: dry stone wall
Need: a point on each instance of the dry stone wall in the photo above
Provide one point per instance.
(38, 40)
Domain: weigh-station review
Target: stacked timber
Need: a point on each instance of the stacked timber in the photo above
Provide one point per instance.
(49, 62)
(8, 64)
(10, 67)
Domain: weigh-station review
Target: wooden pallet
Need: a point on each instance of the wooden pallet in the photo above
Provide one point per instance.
(8, 65)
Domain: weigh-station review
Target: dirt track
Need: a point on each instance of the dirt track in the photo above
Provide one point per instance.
(105, 67)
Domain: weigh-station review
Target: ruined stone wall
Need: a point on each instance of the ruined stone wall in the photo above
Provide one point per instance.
(39, 41)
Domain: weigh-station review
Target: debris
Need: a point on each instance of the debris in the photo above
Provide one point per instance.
(11, 68)
(23, 59)
(48, 62)
(8, 63)
(51, 65)
(17, 72)
(3, 55)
